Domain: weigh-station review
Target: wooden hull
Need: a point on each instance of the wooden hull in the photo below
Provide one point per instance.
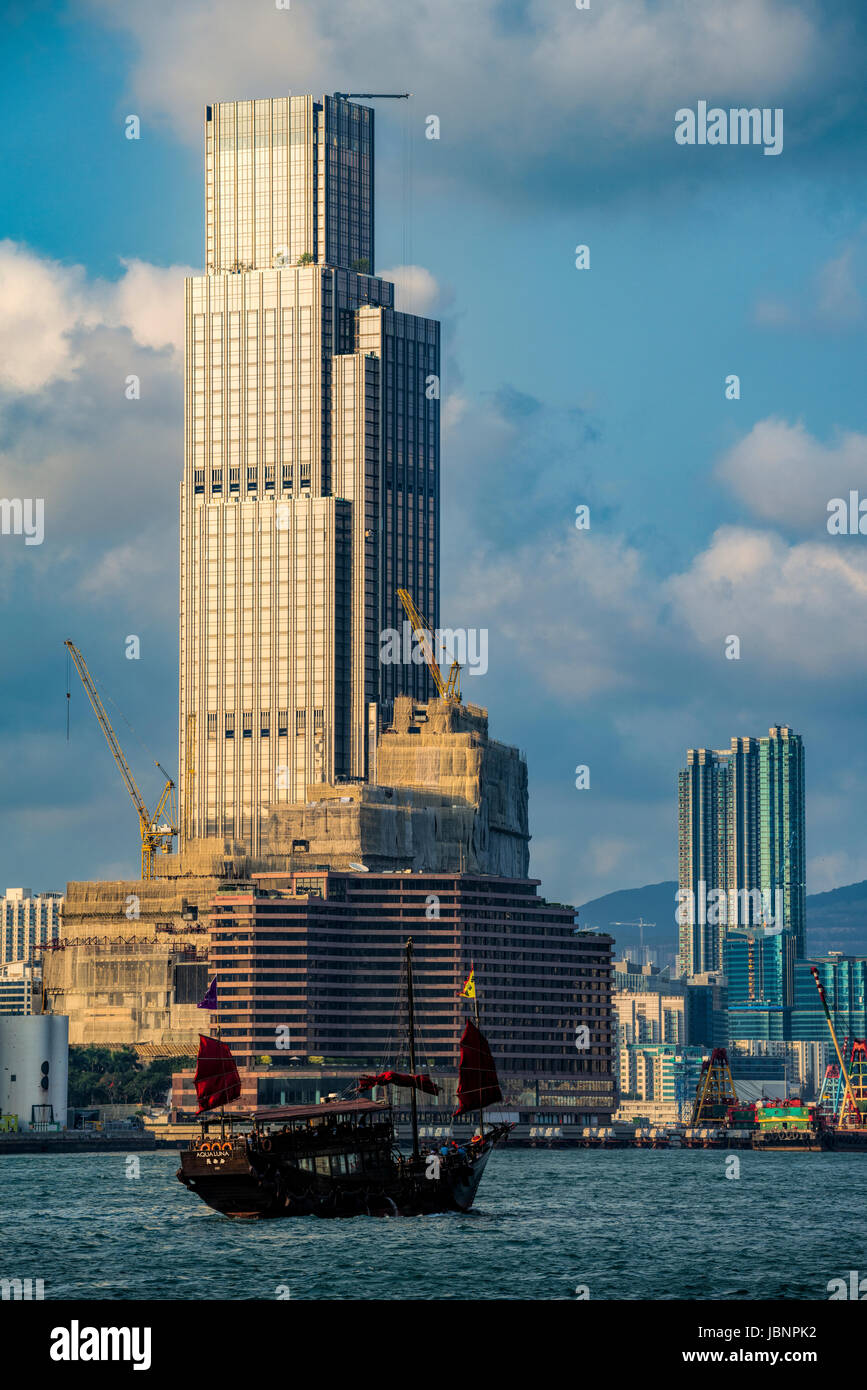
(244, 1184)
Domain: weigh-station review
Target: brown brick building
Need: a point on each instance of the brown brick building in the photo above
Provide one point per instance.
(310, 966)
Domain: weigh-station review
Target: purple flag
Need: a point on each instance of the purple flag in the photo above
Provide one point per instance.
(210, 999)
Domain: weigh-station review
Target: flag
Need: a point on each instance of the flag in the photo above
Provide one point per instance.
(210, 999)
(469, 989)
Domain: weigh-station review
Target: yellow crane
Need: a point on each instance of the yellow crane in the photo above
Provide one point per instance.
(157, 836)
(447, 690)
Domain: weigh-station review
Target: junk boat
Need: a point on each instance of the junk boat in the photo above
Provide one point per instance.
(339, 1157)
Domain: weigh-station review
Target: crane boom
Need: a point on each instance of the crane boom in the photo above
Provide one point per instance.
(447, 690)
(155, 838)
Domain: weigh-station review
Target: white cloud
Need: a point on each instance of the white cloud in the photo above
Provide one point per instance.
(787, 477)
(40, 303)
(577, 85)
(106, 467)
(574, 612)
(47, 308)
(832, 300)
(149, 301)
(416, 290)
(797, 609)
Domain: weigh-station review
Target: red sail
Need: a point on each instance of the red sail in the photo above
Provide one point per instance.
(477, 1084)
(421, 1081)
(217, 1079)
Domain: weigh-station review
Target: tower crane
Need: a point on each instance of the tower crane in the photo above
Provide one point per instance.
(447, 690)
(157, 836)
(640, 924)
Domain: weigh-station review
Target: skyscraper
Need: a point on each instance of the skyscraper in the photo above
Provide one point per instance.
(311, 472)
(782, 860)
(704, 805)
(741, 845)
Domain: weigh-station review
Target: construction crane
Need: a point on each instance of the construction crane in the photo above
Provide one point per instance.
(157, 836)
(640, 924)
(447, 690)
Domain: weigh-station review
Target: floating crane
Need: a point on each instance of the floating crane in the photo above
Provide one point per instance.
(157, 836)
(447, 690)
(716, 1092)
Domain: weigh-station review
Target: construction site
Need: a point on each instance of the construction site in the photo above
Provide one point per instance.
(131, 963)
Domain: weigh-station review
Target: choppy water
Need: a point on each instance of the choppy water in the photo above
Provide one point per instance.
(632, 1224)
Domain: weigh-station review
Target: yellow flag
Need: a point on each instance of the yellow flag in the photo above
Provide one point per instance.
(469, 989)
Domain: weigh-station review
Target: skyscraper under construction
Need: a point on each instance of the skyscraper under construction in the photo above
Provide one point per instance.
(311, 468)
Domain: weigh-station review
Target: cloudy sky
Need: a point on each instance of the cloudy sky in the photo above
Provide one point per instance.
(604, 387)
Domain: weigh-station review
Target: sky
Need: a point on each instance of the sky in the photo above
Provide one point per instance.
(602, 387)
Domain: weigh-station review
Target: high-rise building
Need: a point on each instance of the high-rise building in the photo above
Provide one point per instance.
(741, 845)
(311, 468)
(844, 980)
(781, 802)
(26, 923)
(704, 803)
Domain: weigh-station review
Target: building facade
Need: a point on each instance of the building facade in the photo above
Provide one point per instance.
(20, 988)
(310, 969)
(844, 980)
(311, 468)
(27, 921)
(741, 831)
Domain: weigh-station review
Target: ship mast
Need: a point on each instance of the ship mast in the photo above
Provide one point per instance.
(411, 1010)
(476, 1011)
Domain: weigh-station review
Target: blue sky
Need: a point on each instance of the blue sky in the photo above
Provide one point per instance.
(562, 386)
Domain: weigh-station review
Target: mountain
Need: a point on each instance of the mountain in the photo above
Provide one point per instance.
(836, 921)
(655, 902)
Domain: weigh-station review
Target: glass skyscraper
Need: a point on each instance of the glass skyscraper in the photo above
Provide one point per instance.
(311, 472)
(741, 846)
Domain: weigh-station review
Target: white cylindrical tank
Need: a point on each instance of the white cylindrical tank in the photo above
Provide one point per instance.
(34, 1067)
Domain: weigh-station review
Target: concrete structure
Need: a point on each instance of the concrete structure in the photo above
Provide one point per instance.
(34, 1055)
(311, 473)
(133, 954)
(457, 800)
(27, 922)
(450, 799)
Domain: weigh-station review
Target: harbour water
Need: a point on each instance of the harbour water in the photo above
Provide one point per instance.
(625, 1224)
